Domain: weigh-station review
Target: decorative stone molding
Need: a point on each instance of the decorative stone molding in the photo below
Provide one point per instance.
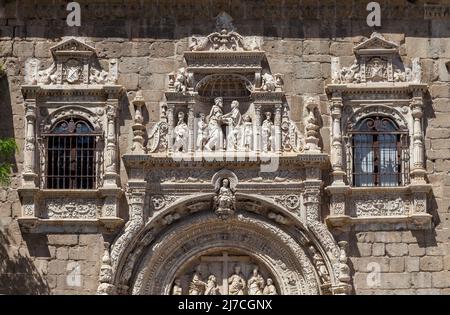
(73, 87)
(377, 84)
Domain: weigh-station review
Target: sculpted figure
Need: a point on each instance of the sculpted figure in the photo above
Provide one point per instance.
(225, 199)
(181, 132)
(176, 290)
(212, 288)
(236, 283)
(215, 133)
(320, 266)
(234, 120)
(246, 133)
(268, 82)
(180, 84)
(270, 288)
(197, 286)
(255, 283)
(266, 132)
(202, 131)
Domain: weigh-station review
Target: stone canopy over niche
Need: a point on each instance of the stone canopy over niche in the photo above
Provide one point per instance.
(381, 93)
(74, 93)
(224, 272)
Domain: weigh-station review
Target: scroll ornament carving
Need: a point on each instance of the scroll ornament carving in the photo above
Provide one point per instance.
(68, 208)
(376, 205)
(224, 39)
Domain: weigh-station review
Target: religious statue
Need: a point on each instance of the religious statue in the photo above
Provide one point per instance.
(234, 120)
(176, 290)
(270, 288)
(246, 133)
(376, 69)
(224, 201)
(215, 133)
(255, 283)
(236, 283)
(266, 131)
(202, 132)
(212, 288)
(268, 82)
(197, 286)
(181, 132)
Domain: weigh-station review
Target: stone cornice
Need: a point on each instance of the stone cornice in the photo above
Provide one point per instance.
(376, 88)
(320, 160)
(71, 90)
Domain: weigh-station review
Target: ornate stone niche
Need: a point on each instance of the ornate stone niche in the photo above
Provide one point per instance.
(377, 91)
(73, 91)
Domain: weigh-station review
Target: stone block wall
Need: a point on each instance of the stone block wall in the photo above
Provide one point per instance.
(299, 38)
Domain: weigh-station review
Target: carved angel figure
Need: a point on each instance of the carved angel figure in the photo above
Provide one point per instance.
(181, 132)
(236, 283)
(255, 283)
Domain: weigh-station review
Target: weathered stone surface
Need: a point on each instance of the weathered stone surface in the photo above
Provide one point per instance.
(431, 263)
(149, 40)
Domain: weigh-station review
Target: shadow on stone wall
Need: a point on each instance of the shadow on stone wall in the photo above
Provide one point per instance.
(7, 126)
(18, 274)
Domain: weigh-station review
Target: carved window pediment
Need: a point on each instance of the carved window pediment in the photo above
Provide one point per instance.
(377, 61)
(74, 63)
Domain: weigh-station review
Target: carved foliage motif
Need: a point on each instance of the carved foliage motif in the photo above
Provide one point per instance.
(68, 208)
(378, 205)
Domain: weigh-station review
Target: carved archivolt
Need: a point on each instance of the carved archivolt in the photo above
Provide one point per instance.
(191, 235)
(285, 259)
(374, 110)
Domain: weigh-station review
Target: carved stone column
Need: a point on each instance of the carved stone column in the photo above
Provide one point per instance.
(418, 171)
(29, 159)
(111, 176)
(336, 138)
(138, 127)
(171, 126)
(277, 127)
(257, 131)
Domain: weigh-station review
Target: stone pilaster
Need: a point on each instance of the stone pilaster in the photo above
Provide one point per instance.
(29, 159)
(418, 169)
(311, 196)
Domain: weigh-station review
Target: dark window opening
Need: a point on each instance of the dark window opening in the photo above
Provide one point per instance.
(71, 156)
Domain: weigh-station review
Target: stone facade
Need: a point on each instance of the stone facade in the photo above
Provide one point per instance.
(175, 210)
